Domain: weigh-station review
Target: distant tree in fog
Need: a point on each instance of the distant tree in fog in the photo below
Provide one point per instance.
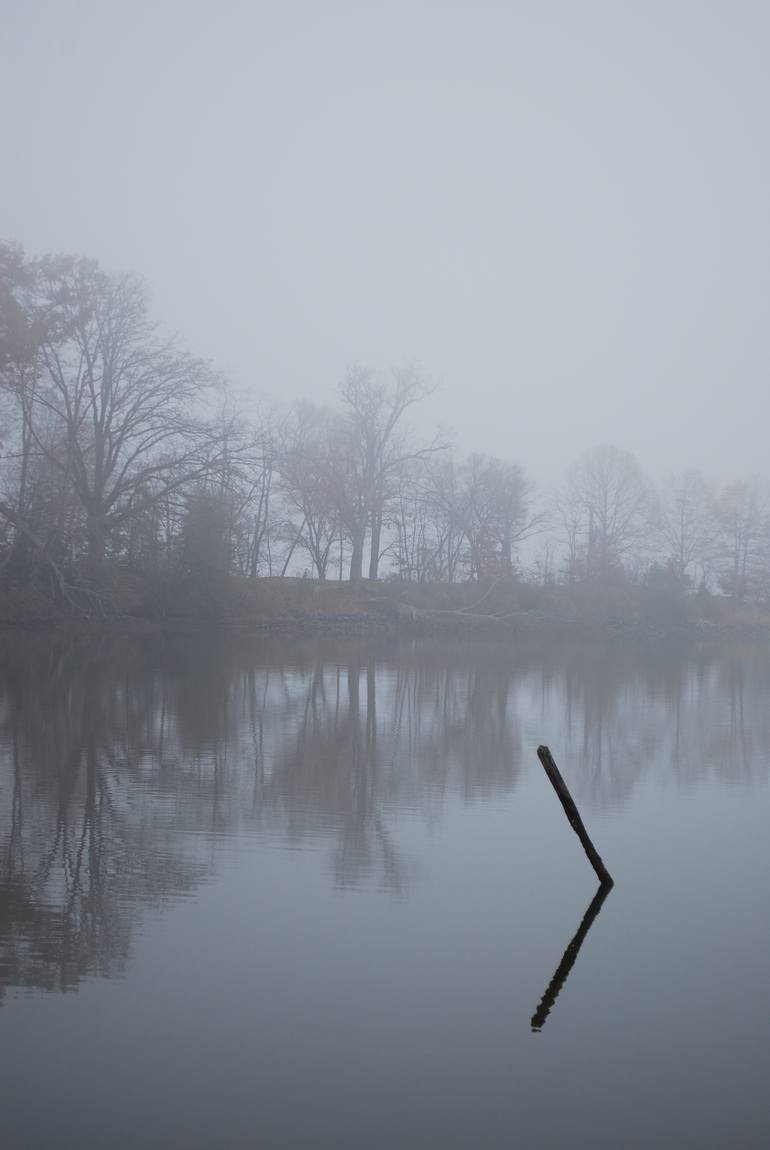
(305, 459)
(31, 494)
(569, 516)
(743, 519)
(492, 510)
(435, 499)
(110, 407)
(462, 517)
(205, 553)
(370, 448)
(613, 506)
(510, 518)
(20, 326)
(255, 511)
(687, 525)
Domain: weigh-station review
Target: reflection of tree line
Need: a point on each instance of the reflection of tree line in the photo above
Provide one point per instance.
(75, 846)
(361, 740)
(114, 756)
(683, 717)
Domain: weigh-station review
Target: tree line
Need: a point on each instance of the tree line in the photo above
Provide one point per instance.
(117, 446)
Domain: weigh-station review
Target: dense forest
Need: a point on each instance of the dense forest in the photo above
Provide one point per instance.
(120, 449)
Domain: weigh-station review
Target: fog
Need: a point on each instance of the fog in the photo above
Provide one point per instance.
(278, 862)
(558, 209)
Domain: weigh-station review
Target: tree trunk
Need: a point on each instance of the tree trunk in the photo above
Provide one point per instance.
(357, 558)
(506, 552)
(96, 543)
(292, 549)
(374, 552)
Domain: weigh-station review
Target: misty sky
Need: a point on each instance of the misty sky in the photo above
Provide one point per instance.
(560, 208)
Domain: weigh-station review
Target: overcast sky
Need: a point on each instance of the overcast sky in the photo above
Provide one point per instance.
(560, 208)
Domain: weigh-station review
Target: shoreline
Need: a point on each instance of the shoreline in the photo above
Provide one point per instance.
(501, 611)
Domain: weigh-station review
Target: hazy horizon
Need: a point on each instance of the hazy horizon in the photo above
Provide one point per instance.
(559, 210)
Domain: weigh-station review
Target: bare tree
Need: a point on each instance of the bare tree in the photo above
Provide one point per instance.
(127, 405)
(743, 513)
(258, 507)
(411, 522)
(687, 524)
(489, 507)
(445, 537)
(615, 505)
(243, 482)
(511, 519)
(19, 342)
(32, 500)
(370, 449)
(305, 462)
(569, 515)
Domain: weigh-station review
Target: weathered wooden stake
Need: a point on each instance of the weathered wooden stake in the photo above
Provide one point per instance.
(571, 811)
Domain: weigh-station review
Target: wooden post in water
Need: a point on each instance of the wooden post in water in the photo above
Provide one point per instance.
(573, 816)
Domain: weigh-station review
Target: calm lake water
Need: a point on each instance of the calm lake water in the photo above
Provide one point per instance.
(315, 895)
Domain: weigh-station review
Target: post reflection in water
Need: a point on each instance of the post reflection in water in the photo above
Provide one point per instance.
(568, 958)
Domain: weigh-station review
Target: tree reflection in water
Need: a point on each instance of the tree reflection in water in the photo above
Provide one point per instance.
(123, 761)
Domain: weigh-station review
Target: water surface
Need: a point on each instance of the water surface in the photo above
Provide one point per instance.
(321, 894)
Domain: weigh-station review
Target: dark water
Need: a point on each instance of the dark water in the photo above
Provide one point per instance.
(313, 895)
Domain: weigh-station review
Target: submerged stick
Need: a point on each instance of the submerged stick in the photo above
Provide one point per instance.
(571, 811)
(568, 958)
